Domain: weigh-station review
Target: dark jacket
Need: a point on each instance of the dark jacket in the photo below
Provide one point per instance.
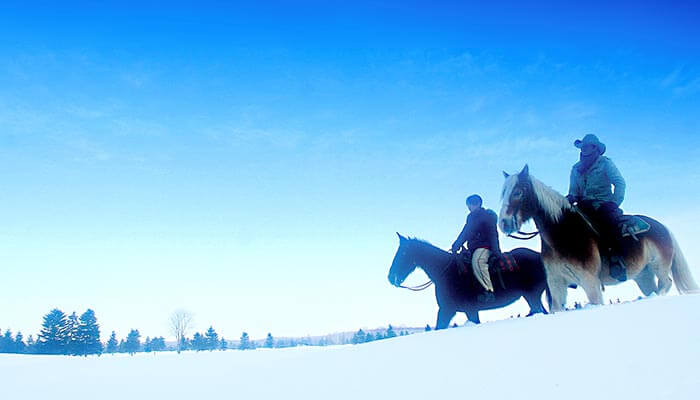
(480, 231)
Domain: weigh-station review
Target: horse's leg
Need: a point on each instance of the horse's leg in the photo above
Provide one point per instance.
(659, 265)
(663, 274)
(557, 288)
(593, 287)
(646, 282)
(444, 317)
(534, 300)
(473, 316)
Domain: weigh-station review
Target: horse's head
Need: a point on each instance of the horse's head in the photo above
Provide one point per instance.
(403, 263)
(517, 195)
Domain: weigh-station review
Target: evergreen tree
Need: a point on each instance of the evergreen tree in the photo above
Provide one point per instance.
(158, 344)
(223, 345)
(245, 342)
(31, 346)
(427, 328)
(112, 344)
(212, 339)
(147, 345)
(198, 342)
(7, 344)
(72, 341)
(20, 346)
(359, 337)
(54, 333)
(87, 340)
(269, 341)
(122, 346)
(390, 332)
(133, 342)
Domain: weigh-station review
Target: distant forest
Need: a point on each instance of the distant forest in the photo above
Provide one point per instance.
(75, 335)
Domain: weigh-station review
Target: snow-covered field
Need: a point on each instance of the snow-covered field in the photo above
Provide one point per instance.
(648, 349)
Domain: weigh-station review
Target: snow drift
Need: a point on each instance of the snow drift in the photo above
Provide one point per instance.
(642, 350)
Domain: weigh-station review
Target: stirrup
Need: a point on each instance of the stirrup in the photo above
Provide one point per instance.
(617, 267)
(486, 297)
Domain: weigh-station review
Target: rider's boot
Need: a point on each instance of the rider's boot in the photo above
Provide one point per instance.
(486, 297)
(618, 269)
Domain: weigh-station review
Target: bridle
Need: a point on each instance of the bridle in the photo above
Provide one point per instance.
(430, 282)
(524, 235)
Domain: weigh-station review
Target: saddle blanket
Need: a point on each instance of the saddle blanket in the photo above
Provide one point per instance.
(505, 263)
(500, 265)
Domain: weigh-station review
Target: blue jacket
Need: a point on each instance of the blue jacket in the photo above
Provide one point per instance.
(595, 184)
(480, 231)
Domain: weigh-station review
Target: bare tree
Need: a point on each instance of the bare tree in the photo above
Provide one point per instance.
(180, 322)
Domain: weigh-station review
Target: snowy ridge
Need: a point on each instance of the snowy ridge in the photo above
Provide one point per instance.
(647, 349)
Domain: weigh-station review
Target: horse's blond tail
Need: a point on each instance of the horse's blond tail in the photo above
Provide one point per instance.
(681, 272)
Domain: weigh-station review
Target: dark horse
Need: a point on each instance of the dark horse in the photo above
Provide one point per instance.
(457, 291)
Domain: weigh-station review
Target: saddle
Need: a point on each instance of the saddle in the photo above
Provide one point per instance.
(632, 225)
(627, 225)
(497, 265)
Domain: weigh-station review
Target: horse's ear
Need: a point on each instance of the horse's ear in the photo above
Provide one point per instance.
(505, 174)
(525, 172)
(401, 238)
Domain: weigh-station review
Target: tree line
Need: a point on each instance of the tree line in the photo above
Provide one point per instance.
(75, 335)
(60, 334)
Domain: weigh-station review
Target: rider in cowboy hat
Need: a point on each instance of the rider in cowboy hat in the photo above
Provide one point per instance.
(481, 235)
(592, 179)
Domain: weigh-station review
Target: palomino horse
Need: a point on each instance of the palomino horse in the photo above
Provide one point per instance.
(570, 248)
(458, 292)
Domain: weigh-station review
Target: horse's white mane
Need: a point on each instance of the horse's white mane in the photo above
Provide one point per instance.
(549, 199)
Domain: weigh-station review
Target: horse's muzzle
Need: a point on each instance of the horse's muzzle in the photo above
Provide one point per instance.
(508, 225)
(393, 279)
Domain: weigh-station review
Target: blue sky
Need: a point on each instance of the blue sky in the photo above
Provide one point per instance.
(251, 164)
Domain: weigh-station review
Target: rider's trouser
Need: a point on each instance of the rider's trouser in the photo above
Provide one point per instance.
(480, 265)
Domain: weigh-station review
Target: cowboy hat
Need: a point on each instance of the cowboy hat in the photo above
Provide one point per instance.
(590, 139)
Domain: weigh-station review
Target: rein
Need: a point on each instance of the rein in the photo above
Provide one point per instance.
(525, 235)
(430, 282)
(586, 220)
(417, 288)
(531, 235)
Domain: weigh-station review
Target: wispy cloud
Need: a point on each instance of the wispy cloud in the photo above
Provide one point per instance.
(83, 112)
(681, 82)
(671, 79)
(575, 111)
(135, 79)
(88, 151)
(241, 136)
(688, 88)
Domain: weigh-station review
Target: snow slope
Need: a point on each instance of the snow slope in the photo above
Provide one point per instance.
(648, 349)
